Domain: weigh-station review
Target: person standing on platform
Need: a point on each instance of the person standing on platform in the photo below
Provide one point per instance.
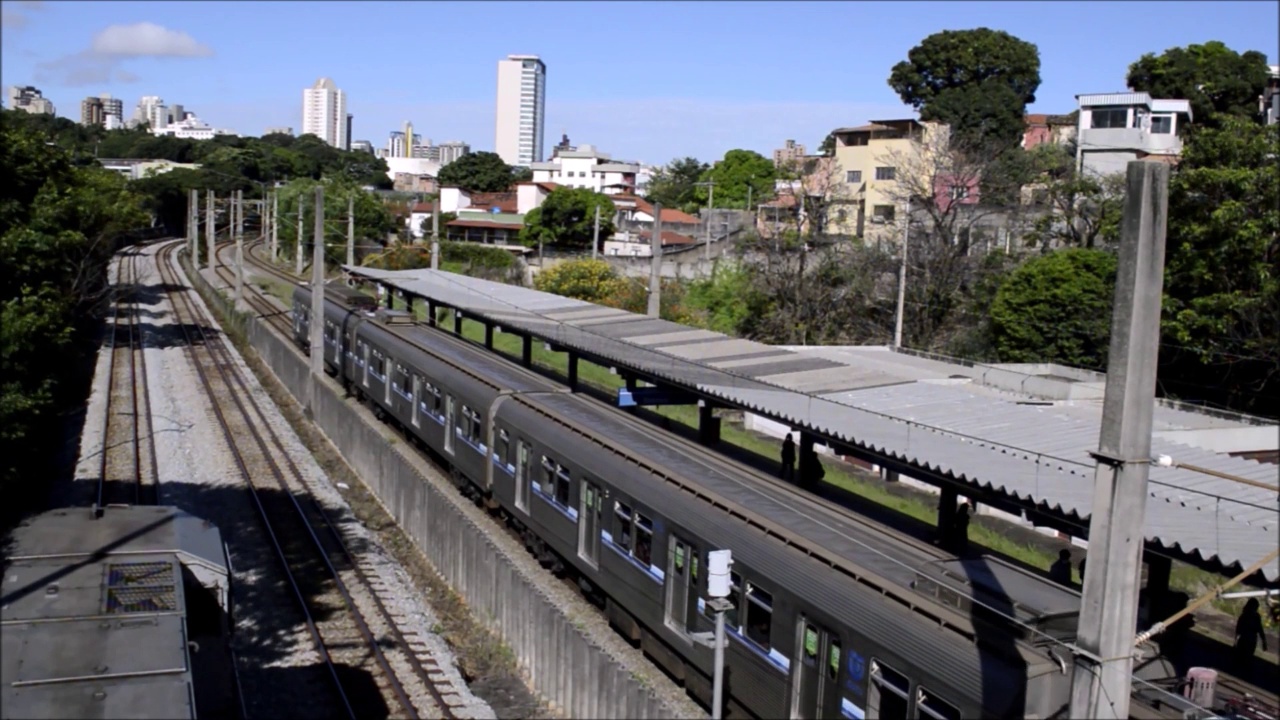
(1248, 632)
(789, 459)
(960, 530)
(1060, 571)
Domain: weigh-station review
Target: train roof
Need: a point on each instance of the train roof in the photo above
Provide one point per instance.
(94, 608)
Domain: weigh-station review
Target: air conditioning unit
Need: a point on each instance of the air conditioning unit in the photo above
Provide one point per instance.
(878, 220)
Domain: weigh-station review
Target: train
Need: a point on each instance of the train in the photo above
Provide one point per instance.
(831, 616)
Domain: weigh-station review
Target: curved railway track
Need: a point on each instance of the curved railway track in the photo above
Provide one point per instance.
(347, 619)
(128, 471)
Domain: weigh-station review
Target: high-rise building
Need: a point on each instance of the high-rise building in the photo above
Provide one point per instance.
(450, 151)
(112, 106)
(28, 98)
(324, 113)
(790, 152)
(176, 114)
(91, 112)
(522, 96)
(151, 110)
(278, 130)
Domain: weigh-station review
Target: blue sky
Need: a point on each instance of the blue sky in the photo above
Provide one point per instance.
(642, 81)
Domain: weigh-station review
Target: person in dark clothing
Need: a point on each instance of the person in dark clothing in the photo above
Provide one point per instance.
(1060, 571)
(1082, 571)
(1248, 633)
(789, 459)
(960, 530)
(813, 470)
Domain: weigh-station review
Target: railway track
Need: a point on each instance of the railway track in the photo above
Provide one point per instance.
(349, 621)
(128, 473)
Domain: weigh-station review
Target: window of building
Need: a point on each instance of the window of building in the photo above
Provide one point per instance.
(853, 176)
(885, 212)
(886, 173)
(759, 619)
(1161, 125)
(1109, 118)
(959, 192)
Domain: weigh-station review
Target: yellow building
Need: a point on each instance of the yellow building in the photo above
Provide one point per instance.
(874, 161)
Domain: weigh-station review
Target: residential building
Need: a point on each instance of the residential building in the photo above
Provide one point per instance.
(1116, 128)
(278, 130)
(91, 112)
(152, 111)
(191, 128)
(1271, 97)
(400, 145)
(411, 166)
(362, 146)
(1043, 129)
(521, 110)
(29, 98)
(633, 225)
(408, 182)
(487, 228)
(869, 160)
(589, 168)
(788, 153)
(562, 146)
(324, 113)
(176, 113)
(136, 169)
(450, 151)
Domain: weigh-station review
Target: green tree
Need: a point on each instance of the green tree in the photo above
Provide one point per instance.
(372, 225)
(1222, 269)
(478, 172)
(1056, 308)
(567, 218)
(1082, 210)
(727, 301)
(675, 185)
(589, 280)
(828, 146)
(978, 81)
(1215, 78)
(738, 171)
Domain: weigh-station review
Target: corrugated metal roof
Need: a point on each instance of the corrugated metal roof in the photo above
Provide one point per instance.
(1034, 454)
(1121, 98)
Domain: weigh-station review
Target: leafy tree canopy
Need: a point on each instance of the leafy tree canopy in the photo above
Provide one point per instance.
(828, 146)
(567, 217)
(675, 185)
(373, 219)
(739, 170)
(1056, 308)
(978, 81)
(1215, 78)
(588, 280)
(479, 172)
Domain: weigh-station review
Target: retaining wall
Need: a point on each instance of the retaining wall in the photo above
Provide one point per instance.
(562, 663)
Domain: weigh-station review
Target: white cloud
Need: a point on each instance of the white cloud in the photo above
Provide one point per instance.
(14, 15)
(147, 40)
(111, 47)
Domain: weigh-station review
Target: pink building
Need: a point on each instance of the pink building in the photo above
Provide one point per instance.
(951, 190)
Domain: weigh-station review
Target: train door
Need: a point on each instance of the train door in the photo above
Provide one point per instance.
(417, 401)
(589, 523)
(364, 366)
(681, 558)
(522, 475)
(816, 681)
(450, 422)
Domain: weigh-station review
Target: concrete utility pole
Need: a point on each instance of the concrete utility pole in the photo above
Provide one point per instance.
(298, 259)
(193, 232)
(275, 226)
(435, 234)
(902, 279)
(210, 226)
(239, 211)
(711, 203)
(595, 235)
(655, 264)
(315, 327)
(351, 230)
(1101, 683)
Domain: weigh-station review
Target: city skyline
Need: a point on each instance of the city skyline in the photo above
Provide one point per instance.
(712, 82)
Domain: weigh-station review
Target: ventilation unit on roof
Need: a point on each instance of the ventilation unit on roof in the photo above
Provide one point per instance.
(394, 317)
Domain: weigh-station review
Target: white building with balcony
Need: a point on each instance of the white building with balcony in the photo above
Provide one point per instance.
(29, 99)
(1270, 99)
(191, 128)
(1116, 128)
(589, 168)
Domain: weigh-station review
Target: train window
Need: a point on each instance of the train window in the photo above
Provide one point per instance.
(464, 422)
(735, 597)
(378, 365)
(929, 706)
(623, 537)
(433, 399)
(693, 569)
(644, 540)
(759, 620)
(833, 658)
(522, 475)
(562, 485)
(400, 380)
(889, 693)
(503, 451)
(548, 484)
(810, 643)
(471, 425)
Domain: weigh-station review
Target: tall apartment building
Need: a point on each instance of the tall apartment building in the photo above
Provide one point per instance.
(790, 152)
(521, 109)
(28, 98)
(450, 151)
(324, 113)
(102, 110)
(151, 110)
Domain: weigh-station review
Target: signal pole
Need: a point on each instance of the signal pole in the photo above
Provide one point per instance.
(902, 279)
(211, 227)
(315, 326)
(1103, 675)
(239, 212)
(595, 235)
(193, 207)
(351, 230)
(435, 234)
(275, 226)
(298, 260)
(655, 264)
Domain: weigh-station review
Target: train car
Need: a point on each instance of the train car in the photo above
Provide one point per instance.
(832, 616)
(124, 612)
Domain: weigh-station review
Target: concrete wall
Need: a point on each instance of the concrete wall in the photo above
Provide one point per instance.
(563, 665)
